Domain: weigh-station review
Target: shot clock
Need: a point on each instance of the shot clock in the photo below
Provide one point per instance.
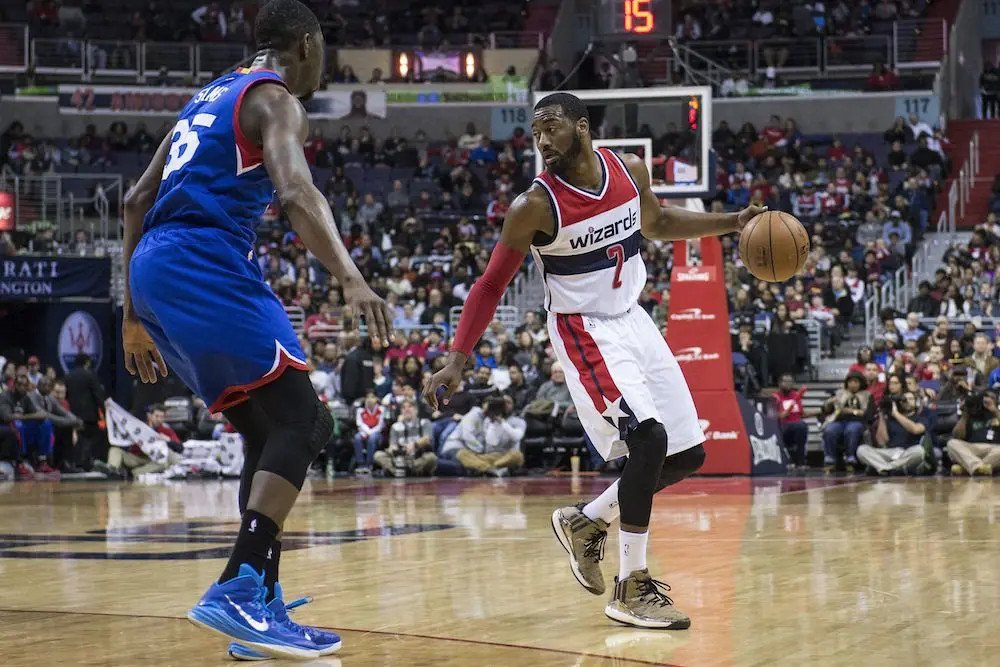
(634, 19)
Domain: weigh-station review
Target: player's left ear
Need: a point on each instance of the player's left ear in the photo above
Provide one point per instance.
(583, 127)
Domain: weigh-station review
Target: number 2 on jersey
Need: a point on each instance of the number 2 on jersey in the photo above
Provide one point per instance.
(185, 142)
(617, 253)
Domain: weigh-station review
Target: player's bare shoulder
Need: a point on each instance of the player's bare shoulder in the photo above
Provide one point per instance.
(529, 214)
(637, 168)
(270, 103)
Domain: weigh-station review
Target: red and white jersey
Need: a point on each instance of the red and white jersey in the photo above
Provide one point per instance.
(592, 265)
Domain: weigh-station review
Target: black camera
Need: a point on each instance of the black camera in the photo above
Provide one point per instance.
(885, 404)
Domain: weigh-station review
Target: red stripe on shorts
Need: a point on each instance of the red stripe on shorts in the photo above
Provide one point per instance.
(588, 360)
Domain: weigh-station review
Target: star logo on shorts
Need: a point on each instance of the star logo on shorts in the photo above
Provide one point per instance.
(618, 414)
(613, 410)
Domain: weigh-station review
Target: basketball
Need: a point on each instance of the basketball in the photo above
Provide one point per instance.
(774, 246)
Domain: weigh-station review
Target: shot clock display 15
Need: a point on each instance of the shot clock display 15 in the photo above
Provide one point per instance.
(634, 18)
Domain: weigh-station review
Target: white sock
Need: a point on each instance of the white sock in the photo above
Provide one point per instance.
(605, 506)
(632, 549)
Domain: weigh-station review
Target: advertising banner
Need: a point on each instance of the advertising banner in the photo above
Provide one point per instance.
(69, 329)
(23, 278)
(698, 324)
(726, 445)
(146, 101)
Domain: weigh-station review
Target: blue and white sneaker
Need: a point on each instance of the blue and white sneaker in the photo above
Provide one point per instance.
(325, 642)
(236, 609)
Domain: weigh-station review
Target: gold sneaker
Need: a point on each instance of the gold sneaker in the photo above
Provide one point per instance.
(583, 540)
(642, 601)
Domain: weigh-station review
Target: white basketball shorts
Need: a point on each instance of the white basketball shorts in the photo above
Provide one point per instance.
(620, 373)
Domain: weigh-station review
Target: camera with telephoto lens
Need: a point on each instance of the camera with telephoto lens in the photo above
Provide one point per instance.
(885, 404)
(975, 405)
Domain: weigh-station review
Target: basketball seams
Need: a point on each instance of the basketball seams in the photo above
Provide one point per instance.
(795, 245)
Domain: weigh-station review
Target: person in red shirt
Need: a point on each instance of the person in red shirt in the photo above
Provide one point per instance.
(794, 431)
(882, 78)
(370, 421)
(155, 419)
(876, 380)
(774, 132)
(833, 203)
(836, 152)
(864, 358)
(323, 318)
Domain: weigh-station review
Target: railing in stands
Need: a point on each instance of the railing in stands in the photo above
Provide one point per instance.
(910, 44)
(67, 204)
(516, 39)
(960, 191)
(871, 318)
(111, 58)
(919, 43)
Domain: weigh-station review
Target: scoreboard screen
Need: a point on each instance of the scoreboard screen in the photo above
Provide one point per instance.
(634, 18)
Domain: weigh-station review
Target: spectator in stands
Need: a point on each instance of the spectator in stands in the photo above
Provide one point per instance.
(21, 410)
(370, 422)
(919, 127)
(488, 439)
(86, 400)
(989, 83)
(555, 388)
(901, 440)
(357, 375)
(982, 359)
(806, 204)
(924, 304)
(409, 448)
(134, 461)
(849, 410)
(794, 430)
(882, 78)
(471, 139)
(51, 399)
(927, 159)
(974, 446)
(897, 157)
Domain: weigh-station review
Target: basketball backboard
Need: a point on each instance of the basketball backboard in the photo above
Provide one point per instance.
(658, 120)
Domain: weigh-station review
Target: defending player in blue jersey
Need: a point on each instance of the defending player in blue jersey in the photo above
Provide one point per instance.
(196, 302)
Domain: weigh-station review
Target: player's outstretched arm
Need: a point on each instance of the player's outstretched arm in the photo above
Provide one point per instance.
(273, 116)
(674, 224)
(140, 351)
(529, 213)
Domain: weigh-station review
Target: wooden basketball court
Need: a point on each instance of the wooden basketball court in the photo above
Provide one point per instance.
(466, 572)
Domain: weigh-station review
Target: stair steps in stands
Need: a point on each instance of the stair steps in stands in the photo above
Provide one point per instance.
(960, 132)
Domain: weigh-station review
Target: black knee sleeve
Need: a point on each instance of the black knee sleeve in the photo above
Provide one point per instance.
(647, 447)
(677, 467)
(253, 427)
(300, 426)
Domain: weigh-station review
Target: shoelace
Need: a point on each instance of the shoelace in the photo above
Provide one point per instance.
(594, 546)
(657, 590)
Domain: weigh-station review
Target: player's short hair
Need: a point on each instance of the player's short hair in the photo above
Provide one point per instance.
(156, 407)
(281, 24)
(571, 105)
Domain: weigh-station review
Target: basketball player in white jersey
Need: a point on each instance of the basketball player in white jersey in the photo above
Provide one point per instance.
(583, 220)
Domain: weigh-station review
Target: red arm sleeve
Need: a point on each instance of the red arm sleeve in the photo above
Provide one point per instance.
(481, 304)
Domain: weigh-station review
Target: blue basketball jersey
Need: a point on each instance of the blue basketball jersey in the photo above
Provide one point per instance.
(214, 176)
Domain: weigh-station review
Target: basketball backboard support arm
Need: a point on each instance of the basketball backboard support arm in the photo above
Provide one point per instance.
(706, 173)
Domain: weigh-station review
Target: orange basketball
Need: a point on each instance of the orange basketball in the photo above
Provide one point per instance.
(774, 246)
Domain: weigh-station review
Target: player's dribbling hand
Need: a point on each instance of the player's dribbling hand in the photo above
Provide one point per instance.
(373, 309)
(748, 214)
(449, 377)
(141, 352)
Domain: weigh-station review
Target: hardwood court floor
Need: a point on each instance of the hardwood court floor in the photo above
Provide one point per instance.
(467, 573)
